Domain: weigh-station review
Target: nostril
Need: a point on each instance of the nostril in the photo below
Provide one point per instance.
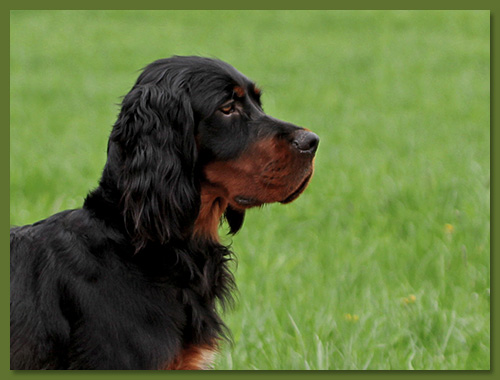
(306, 142)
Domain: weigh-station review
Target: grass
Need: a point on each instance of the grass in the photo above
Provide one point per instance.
(383, 263)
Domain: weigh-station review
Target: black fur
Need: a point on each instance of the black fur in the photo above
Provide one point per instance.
(123, 282)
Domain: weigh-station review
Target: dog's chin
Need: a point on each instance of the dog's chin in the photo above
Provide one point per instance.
(244, 202)
(296, 193)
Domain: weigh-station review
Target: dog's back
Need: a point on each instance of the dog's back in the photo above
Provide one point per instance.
(76, 299)
(39, 331)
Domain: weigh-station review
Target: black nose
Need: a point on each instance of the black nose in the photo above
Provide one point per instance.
(306, 142)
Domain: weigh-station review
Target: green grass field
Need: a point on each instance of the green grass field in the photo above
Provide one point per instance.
(383, 263)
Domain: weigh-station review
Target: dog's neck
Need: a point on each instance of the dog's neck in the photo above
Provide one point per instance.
(105, 202)
(212, 208)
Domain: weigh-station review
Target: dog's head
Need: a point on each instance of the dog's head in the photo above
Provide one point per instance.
(192, 142)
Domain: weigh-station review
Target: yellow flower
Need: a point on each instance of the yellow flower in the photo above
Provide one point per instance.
(410, 299)
(351, 318)
(449, 229)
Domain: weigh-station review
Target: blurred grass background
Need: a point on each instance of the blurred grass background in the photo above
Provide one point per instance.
(383, 263)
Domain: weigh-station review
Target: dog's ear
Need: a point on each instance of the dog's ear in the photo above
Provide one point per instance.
(160, 194)
(234, 218)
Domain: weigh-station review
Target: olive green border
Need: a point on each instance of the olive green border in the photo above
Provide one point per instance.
(492, 5)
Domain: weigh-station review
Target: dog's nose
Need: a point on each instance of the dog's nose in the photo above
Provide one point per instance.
(306, 142)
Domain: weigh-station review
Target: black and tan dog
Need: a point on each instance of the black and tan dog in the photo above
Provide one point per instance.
(131, 280)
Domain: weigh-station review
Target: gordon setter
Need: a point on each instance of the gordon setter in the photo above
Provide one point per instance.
(134, 279)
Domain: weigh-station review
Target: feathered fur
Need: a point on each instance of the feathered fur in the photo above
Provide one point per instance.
(133, 279)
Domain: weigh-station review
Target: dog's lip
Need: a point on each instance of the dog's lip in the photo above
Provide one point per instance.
(246, 201)
(298, 191)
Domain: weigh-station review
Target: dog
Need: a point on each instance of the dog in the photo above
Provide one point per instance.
(134, 279)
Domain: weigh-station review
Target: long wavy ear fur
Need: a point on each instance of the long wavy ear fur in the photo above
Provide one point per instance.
(155, 134)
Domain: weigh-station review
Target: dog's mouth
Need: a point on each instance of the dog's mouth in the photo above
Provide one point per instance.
(248, 202)
(298, 191)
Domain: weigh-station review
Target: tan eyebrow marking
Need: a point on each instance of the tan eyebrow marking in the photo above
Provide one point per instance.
(239, 91)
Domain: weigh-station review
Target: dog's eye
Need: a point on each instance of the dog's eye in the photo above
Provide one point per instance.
(227, 108)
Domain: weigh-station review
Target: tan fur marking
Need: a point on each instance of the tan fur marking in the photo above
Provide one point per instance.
(269, 171)
(239, 91)
(213, 206)
(194, 358)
